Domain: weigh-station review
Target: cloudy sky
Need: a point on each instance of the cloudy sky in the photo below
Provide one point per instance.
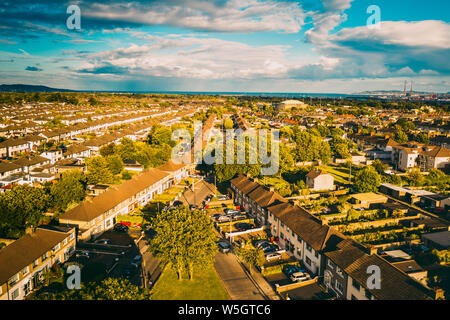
(227, 45)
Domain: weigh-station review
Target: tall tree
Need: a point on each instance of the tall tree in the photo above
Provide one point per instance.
(367, 180)
(185, 239)
(98, 171)
(70, 188)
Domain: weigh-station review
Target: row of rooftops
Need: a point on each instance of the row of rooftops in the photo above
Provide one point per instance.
(28, 248)
(343, 251)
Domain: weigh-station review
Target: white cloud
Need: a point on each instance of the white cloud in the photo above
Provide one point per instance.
(232, 16)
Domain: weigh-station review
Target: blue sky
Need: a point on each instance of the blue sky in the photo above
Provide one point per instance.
(227, 45)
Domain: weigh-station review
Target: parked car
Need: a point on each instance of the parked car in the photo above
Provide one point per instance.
(103, 241)
(224, 247)
(300, 276)
(243, 226)
(239, 216)
(223, 218)
(230, 211)
(83, 254)
(273, 256)
(270, 248)
(120, 228)
(262, 243)
(137, 260)
(221, 197)
(289, 269)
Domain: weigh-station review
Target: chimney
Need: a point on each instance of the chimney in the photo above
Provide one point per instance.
(272, 189)
(255, 180)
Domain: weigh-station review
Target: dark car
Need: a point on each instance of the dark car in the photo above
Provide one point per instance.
(224, 247)
(270, 248)
(289, 269)
(262, 243)
(137, 260)
(242, 226)
(120, 228)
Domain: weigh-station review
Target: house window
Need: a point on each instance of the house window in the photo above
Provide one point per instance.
(25, 271)
(72, 235)
(57, 247)
(331, 264)
(15, 294)
(13, 280)
(35, 263)
(308, 261)
(44, 257)
(64, 241)
(339, 271)
(308, 247)
(338, 286)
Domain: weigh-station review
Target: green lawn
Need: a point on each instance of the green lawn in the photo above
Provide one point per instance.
(340, 174)
(205, 286)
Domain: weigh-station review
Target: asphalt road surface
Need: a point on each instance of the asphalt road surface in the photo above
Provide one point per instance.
(236, 282)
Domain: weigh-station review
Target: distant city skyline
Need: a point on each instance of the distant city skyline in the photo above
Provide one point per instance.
(287, 46)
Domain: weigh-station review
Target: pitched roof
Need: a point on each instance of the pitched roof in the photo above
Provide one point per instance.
(8, 166)
(27, 249)
(437, 152)
(395, 284)
(306, 226)
(91, 209)
(315, 173)
(171, 166)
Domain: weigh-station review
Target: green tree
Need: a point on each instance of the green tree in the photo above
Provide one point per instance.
(98, 171)
(250, 255)
(107, 289)
(70, 188)
(115, 163)
(108, 150)
(185, 239)
(367, 180)
(379, 166)
(20, 208)
(414, 177)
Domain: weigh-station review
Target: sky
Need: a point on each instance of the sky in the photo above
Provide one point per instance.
(309, 46)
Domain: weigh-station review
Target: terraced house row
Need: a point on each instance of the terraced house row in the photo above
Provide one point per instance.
(23, 263)
(93, 216)
(340, 263)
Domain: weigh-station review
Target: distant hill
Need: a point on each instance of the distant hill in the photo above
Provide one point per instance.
(29, 88)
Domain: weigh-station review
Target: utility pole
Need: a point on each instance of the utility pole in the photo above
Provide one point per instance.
(350, 177)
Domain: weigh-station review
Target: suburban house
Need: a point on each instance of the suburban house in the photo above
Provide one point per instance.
(328, 254)
(93, 216)
(319, 180)
(23, 262)
(14, 147)
(437, 157)
(177, 171)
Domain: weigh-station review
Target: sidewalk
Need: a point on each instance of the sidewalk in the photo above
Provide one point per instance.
(260, 282)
